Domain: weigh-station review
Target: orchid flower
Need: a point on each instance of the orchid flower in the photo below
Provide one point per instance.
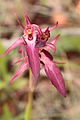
(34, 47)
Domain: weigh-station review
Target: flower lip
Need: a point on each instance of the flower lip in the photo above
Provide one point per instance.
(29, 33)
(45, 34)
(28, 30)
(30, 36)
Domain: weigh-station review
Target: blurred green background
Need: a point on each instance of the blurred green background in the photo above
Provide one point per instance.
(48, 104)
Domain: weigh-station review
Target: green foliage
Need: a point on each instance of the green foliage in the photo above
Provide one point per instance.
(7, 114)
(5, 87)
(3, 61)
(69, 43)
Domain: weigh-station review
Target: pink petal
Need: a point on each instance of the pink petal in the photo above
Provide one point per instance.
(57, 62)
(55, 39)
(40, 44)
(54, 27)
(28, 22)
(45, 56)
(53, 73)
(37, 29)
(51, 28)
(21, 59)
(47, 29)
(33, 57)
(56, 77)
(19, 22)
(19, 72)
(52, 46)
(14, 45)
(20, 49)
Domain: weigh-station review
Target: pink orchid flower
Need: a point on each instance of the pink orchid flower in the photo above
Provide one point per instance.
(34, 47)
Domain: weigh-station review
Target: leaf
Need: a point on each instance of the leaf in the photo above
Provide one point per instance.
(3, 61)
(7, 113)
(19, 84)
(69, 43)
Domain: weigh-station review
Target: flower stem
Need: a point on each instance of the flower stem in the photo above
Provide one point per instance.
(28, 112)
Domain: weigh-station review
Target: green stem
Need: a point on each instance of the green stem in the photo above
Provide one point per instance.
(28, 112)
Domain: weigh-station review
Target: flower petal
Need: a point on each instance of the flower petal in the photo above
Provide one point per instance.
(53, 73)
(28, 22)
(54, 27)
(40, 44)
(33, 56)
(57, 62)
(56, 77)
(51, 28)
(21, 59)
(41, 41)
(37, 29)
(19, 22)
(55, 39)
(52, 46)
(19, 72)
(14, 45)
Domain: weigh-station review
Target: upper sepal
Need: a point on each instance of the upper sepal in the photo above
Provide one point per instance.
(28, 22)
(33, 56)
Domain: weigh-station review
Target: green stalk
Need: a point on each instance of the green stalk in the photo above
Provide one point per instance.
(28, 112)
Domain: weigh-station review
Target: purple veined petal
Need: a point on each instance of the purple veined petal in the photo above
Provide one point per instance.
(33, 56)
(51, 28)
(55, 39)
(28, 22)
(53, 73)
(19, 72)
(47, 33)
(47, 30)
(40, 44)
(56, 77)
(52, 46)
(14, 45)
(20, 49)
(19, 22)
(45, 56)
(54, 27)
(57, 62)
(20, 60)
(37, 29)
